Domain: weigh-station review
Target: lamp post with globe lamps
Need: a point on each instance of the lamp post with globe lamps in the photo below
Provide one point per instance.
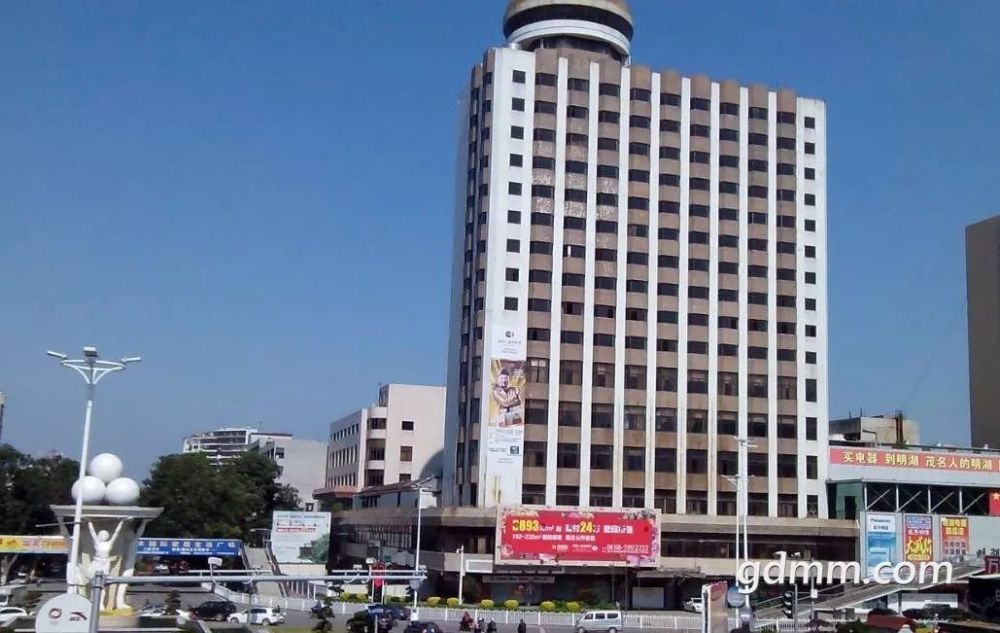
(92, 369)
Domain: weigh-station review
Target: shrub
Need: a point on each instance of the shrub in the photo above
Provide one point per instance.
(433, 601)
(547, 606)
(511, 605)
(573, 607)
(487, 604)
(454, 602)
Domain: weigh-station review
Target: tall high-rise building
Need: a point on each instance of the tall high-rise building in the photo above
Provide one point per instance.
(982, 272)
(639, 279)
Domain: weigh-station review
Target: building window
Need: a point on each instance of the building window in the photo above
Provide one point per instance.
(635, 417)
(602, 416)
(538, 370)
(810, 122)
(812, 467)
(569, 414)
(787, 466)
(697, 462)
(512, 274)
(757, 426)
(567, 495)
(810, 148)
(727, 424)
(812, 506)
(604, 375)
(788, 506)
(810, 173)
(532, 495)
(601, 457)
(697, 421)
(580, 85)
(810, 358)
(567, 455)
(697, 502)
(536, 412)
(666, 379)
(665, 420)
(407, 425)
(545, 79)
(811, 331)
(635, 458)
(757, 464)
(514, 217)
(406, 453)
(757, 504)
(513, 246)
(376, 424)
(811, 389)
(570, 372)
(510, 303)
(728, 382)
(517, 104)
(600, 497)
(728, 462)
(810, 428)
(786, 388)
(610, 90)
(697, 381)
(665, 460)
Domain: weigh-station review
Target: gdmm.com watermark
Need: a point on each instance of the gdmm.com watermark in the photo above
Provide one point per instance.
(780, 571)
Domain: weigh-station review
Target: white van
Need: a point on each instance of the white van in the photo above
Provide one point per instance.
(601, 622)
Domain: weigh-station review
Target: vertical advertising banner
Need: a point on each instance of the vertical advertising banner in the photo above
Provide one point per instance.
(880, 542)
(918, 538)
(715, 612)
(954, 537)
(504, 425)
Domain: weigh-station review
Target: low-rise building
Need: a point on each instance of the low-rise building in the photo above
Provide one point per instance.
(400, 438)
(226, 443)
(301, 463)
(877, 429)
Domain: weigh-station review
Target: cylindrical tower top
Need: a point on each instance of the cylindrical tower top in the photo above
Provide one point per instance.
(594, 24)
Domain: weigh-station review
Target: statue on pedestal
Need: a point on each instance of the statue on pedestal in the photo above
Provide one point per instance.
(114, 526)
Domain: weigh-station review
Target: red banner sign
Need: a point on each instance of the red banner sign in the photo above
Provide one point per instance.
(915, 459)
(954, 536)
(542, 536)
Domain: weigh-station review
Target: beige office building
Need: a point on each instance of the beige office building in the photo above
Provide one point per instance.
(982, 270)
(639, 280)
(397, 439)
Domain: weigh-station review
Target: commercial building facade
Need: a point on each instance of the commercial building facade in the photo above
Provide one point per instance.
(639, 280)
(398, 439)
(982, 271)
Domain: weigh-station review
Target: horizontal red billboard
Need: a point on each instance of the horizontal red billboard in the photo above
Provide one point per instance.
(549, 536)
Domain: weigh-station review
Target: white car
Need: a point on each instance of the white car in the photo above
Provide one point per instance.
(694, 605)
(258, 615)
(9, 614)
(159, 611)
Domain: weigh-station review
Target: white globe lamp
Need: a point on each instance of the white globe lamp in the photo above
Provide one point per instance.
(122, 492)
(106, 467)
(93, 490)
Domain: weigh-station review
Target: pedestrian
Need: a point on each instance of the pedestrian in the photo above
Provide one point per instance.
(522, 627)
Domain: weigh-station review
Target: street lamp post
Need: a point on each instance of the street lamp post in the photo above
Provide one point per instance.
(416, 559)
(461, 572)
(92, 368)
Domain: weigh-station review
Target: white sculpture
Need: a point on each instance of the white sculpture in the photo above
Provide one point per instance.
(93, 490)
(106, 467)
(122, 491)
(103, 544)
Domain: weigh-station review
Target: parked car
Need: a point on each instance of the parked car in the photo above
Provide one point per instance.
(160, 611)
(257, 615)
(422, 627)
(217, 610)
(394, 611)
(601, 622)
(9, 614)
(694, 605)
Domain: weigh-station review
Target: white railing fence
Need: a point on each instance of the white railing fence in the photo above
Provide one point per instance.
(536, 618)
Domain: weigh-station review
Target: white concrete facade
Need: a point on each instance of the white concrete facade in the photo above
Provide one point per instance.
(483, 300)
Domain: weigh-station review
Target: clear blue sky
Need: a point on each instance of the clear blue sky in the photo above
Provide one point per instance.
(204, 184)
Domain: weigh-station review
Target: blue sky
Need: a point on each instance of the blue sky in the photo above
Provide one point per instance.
(204, 184)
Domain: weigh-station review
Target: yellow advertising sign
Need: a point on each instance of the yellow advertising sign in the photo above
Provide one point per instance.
(17, 544)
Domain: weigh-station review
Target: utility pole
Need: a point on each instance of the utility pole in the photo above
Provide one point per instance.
(3, 405)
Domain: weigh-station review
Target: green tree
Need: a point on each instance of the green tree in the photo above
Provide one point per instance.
(28, 489)
(200, 500)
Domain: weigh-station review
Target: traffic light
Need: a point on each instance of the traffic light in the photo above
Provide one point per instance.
(788, 603)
